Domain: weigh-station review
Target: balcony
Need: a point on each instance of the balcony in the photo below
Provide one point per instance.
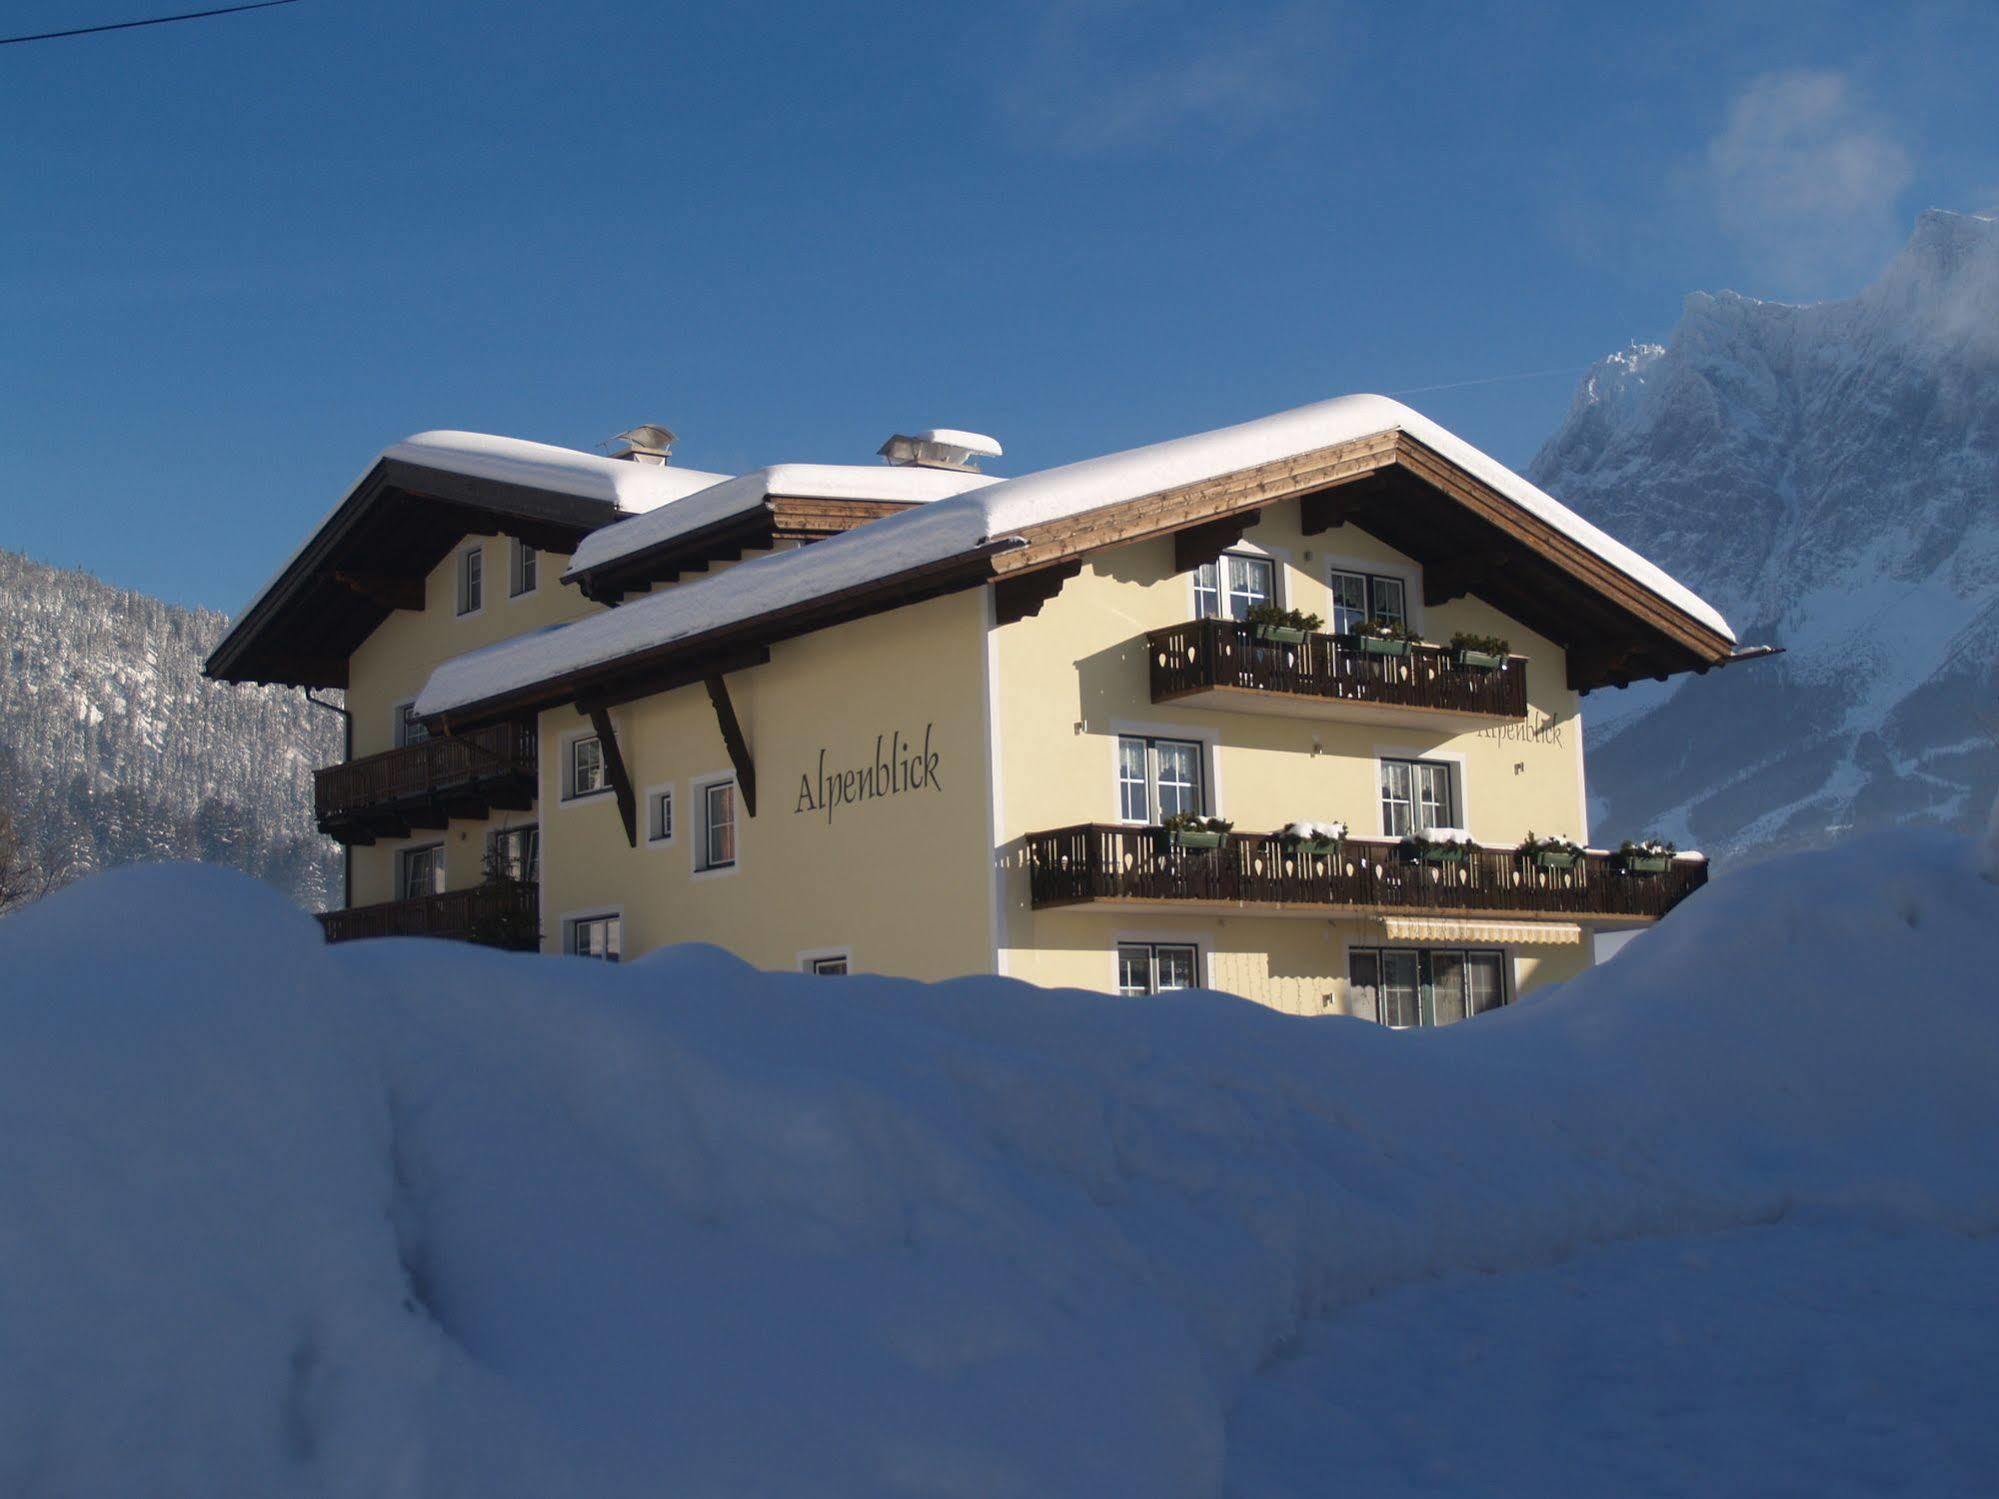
(421, 785)
(505, 914)
(1101, 862)
(1220, 663)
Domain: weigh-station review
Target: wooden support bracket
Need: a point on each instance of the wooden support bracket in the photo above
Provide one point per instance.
(1199, 545)
(615, 768)
(1340, 504)
(732, 739)
(381, 588)
(1454, 577)
(1021, 596)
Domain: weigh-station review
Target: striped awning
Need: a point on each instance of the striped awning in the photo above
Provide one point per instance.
(1496, 933)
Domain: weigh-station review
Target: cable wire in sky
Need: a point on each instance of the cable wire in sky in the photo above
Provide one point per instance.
(193, 15)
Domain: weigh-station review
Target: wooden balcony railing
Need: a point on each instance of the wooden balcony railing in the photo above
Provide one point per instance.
(457, 775)
(505, 914)
(1110, 862)
(1210, 655)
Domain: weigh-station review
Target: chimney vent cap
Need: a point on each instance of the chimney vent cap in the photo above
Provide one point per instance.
(940, 447)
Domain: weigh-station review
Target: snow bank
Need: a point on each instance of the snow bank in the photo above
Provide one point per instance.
(957, 525)
(408, 1218)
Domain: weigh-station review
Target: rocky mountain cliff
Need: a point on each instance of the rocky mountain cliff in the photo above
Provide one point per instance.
(1828, 475)
(114, 749)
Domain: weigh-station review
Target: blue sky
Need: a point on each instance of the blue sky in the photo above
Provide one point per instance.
(242, 255)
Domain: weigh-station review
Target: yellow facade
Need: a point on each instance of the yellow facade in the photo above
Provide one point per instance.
(1021, 724)
(392, 664)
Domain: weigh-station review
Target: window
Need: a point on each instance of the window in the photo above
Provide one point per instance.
(525, 565)
(1364, 596)
(421, 871)
(833, 965)
(1407, 987)
(586, 766)
(514, 854)
(409, 728)
(718, 825)
(1232, 585)
(1416, 795)
(471, 579)
(593, 937)
(659, 816)
(1158, 777)
(1155, 967)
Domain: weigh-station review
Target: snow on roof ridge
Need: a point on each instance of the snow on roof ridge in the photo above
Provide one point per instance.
(814, 481)
(633, 487)
(959, 524)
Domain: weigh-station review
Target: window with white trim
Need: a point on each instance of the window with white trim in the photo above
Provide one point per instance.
(1417, 795)
(1159, 777)
(523, 574)
(1156, 967)
(409, 728)
(1232, 585)
(718, 825)
(514, 853)
(586, 767)
(471, 579)
(1408, 987)
(420, 871)
(832, 965)
(593, 937)
(659, 816)
(1359, 597)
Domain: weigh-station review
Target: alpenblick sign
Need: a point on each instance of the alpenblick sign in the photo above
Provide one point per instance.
(898, 766)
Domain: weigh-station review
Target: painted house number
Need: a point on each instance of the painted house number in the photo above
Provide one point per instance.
(898, 766)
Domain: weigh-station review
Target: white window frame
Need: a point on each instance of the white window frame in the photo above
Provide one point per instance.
(1204, 750)
(1425, 980)
(1400, 570)
(515, 552)
(652, 797)
(1223, 591)
(403, 856)
(1460, 790)
(567, 769)
(1153, 942)
(461, 580)
(697, 800)
(613, 914)
(401, 724)
(811, 958)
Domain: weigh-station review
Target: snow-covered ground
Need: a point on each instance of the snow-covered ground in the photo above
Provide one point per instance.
(414, 1219)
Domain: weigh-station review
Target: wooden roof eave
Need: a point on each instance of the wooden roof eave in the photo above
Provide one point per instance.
(256, 648)
(727, 648)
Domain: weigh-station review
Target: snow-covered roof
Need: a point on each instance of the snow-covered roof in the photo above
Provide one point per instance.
(633, 487)
(743, 494)
(963, 523)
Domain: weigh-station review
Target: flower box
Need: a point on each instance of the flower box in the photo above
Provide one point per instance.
(1195, 838)
(1437, 853)
(1555, 858)
(1281, 634)
(1480, 660)
(1374, 645)
(1319, 846)
(1647, 863)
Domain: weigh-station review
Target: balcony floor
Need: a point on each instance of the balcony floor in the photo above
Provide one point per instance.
(1344, 710)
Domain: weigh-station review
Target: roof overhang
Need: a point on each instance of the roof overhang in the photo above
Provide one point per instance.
(392, 529)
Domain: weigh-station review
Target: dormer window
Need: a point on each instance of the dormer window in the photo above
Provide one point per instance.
(1232, 585)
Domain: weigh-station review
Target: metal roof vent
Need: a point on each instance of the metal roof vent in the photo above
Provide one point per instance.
(646, 444)
(940, 447)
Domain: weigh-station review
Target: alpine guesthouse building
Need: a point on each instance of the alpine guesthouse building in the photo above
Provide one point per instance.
(1079, 727)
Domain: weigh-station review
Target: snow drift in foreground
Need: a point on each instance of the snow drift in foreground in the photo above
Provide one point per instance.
(415, 1219)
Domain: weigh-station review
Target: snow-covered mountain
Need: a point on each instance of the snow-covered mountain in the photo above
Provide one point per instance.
(114, 749)
(1829, 476)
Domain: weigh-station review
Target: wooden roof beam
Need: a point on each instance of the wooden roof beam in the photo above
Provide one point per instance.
(732, 739)
(615, 768)
(1199, 545)
(1021, 596)
(382, 588)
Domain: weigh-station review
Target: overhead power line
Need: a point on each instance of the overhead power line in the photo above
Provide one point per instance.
(193, 15)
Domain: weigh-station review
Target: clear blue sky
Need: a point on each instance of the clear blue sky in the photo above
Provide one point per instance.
(242, 255)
